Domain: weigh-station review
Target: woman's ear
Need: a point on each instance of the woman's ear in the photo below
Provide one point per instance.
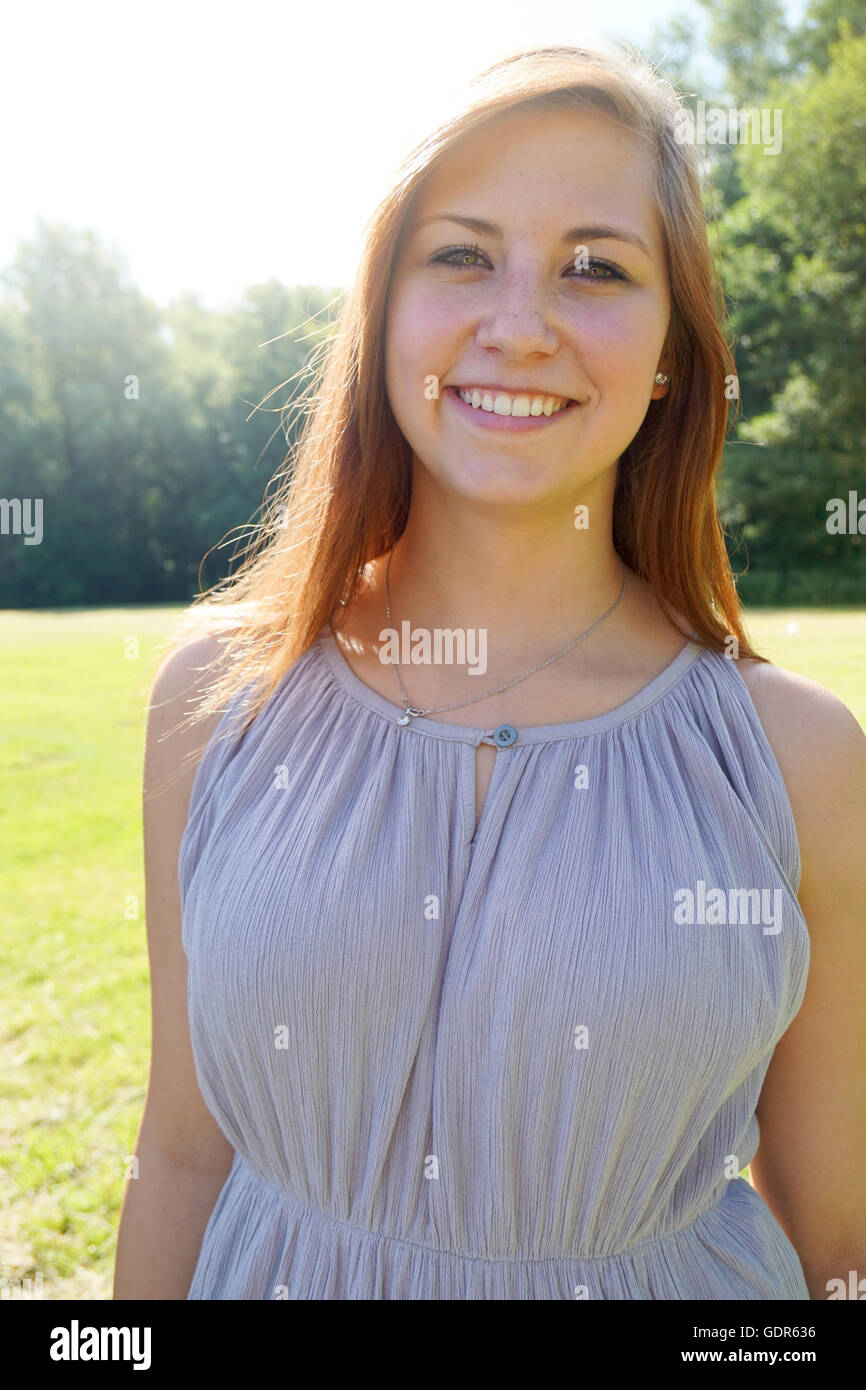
(661, 384)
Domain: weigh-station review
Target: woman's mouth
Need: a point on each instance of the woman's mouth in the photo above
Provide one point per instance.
(509, 410)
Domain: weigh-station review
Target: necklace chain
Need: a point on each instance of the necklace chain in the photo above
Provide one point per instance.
(414, 712)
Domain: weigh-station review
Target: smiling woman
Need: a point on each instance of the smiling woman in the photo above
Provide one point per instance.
(536, 310)
(429, 1022)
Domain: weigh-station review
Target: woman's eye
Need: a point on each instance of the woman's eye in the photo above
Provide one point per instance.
(459, 256)
(608, 272)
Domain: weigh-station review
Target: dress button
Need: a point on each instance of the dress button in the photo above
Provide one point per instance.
(504, 735)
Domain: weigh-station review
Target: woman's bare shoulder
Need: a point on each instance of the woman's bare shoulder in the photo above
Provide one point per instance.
(187, 667)
(175, 738)
(802, 714)
(821, 752)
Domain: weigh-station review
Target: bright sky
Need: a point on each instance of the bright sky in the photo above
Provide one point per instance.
(215, 145)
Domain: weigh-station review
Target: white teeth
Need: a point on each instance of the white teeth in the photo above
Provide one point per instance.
(503, 404)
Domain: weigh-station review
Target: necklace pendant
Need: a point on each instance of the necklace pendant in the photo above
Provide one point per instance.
(411, 713)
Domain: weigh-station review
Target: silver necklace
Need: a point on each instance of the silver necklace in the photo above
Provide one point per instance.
(413, 712)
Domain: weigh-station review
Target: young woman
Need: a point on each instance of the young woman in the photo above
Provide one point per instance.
(485, 979)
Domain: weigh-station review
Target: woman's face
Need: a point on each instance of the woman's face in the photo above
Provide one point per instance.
(557, 288)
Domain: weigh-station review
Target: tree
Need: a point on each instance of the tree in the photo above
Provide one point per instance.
(137, 427)
(796, 268)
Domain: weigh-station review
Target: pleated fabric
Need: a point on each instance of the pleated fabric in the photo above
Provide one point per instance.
(492, 1065)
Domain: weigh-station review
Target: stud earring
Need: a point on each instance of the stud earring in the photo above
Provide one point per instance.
(661, 378)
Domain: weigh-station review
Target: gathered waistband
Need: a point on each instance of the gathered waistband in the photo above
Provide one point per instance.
(263, 1243)
(317, 1214)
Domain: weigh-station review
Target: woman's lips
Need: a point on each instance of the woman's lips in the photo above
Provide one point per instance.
(488, 419)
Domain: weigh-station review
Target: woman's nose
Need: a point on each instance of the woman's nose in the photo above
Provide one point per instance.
(517, 321)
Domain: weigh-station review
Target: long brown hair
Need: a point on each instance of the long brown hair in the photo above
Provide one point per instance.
(346, 499)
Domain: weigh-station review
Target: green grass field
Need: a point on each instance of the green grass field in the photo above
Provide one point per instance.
(74, 1000)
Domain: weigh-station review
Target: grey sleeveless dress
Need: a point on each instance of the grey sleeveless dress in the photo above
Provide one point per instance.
(517, 1064)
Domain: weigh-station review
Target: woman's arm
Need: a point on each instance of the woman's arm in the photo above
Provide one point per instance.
(183, 1156)
(810, 1167)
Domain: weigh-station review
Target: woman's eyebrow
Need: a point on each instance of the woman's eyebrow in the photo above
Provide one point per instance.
(597, 232)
